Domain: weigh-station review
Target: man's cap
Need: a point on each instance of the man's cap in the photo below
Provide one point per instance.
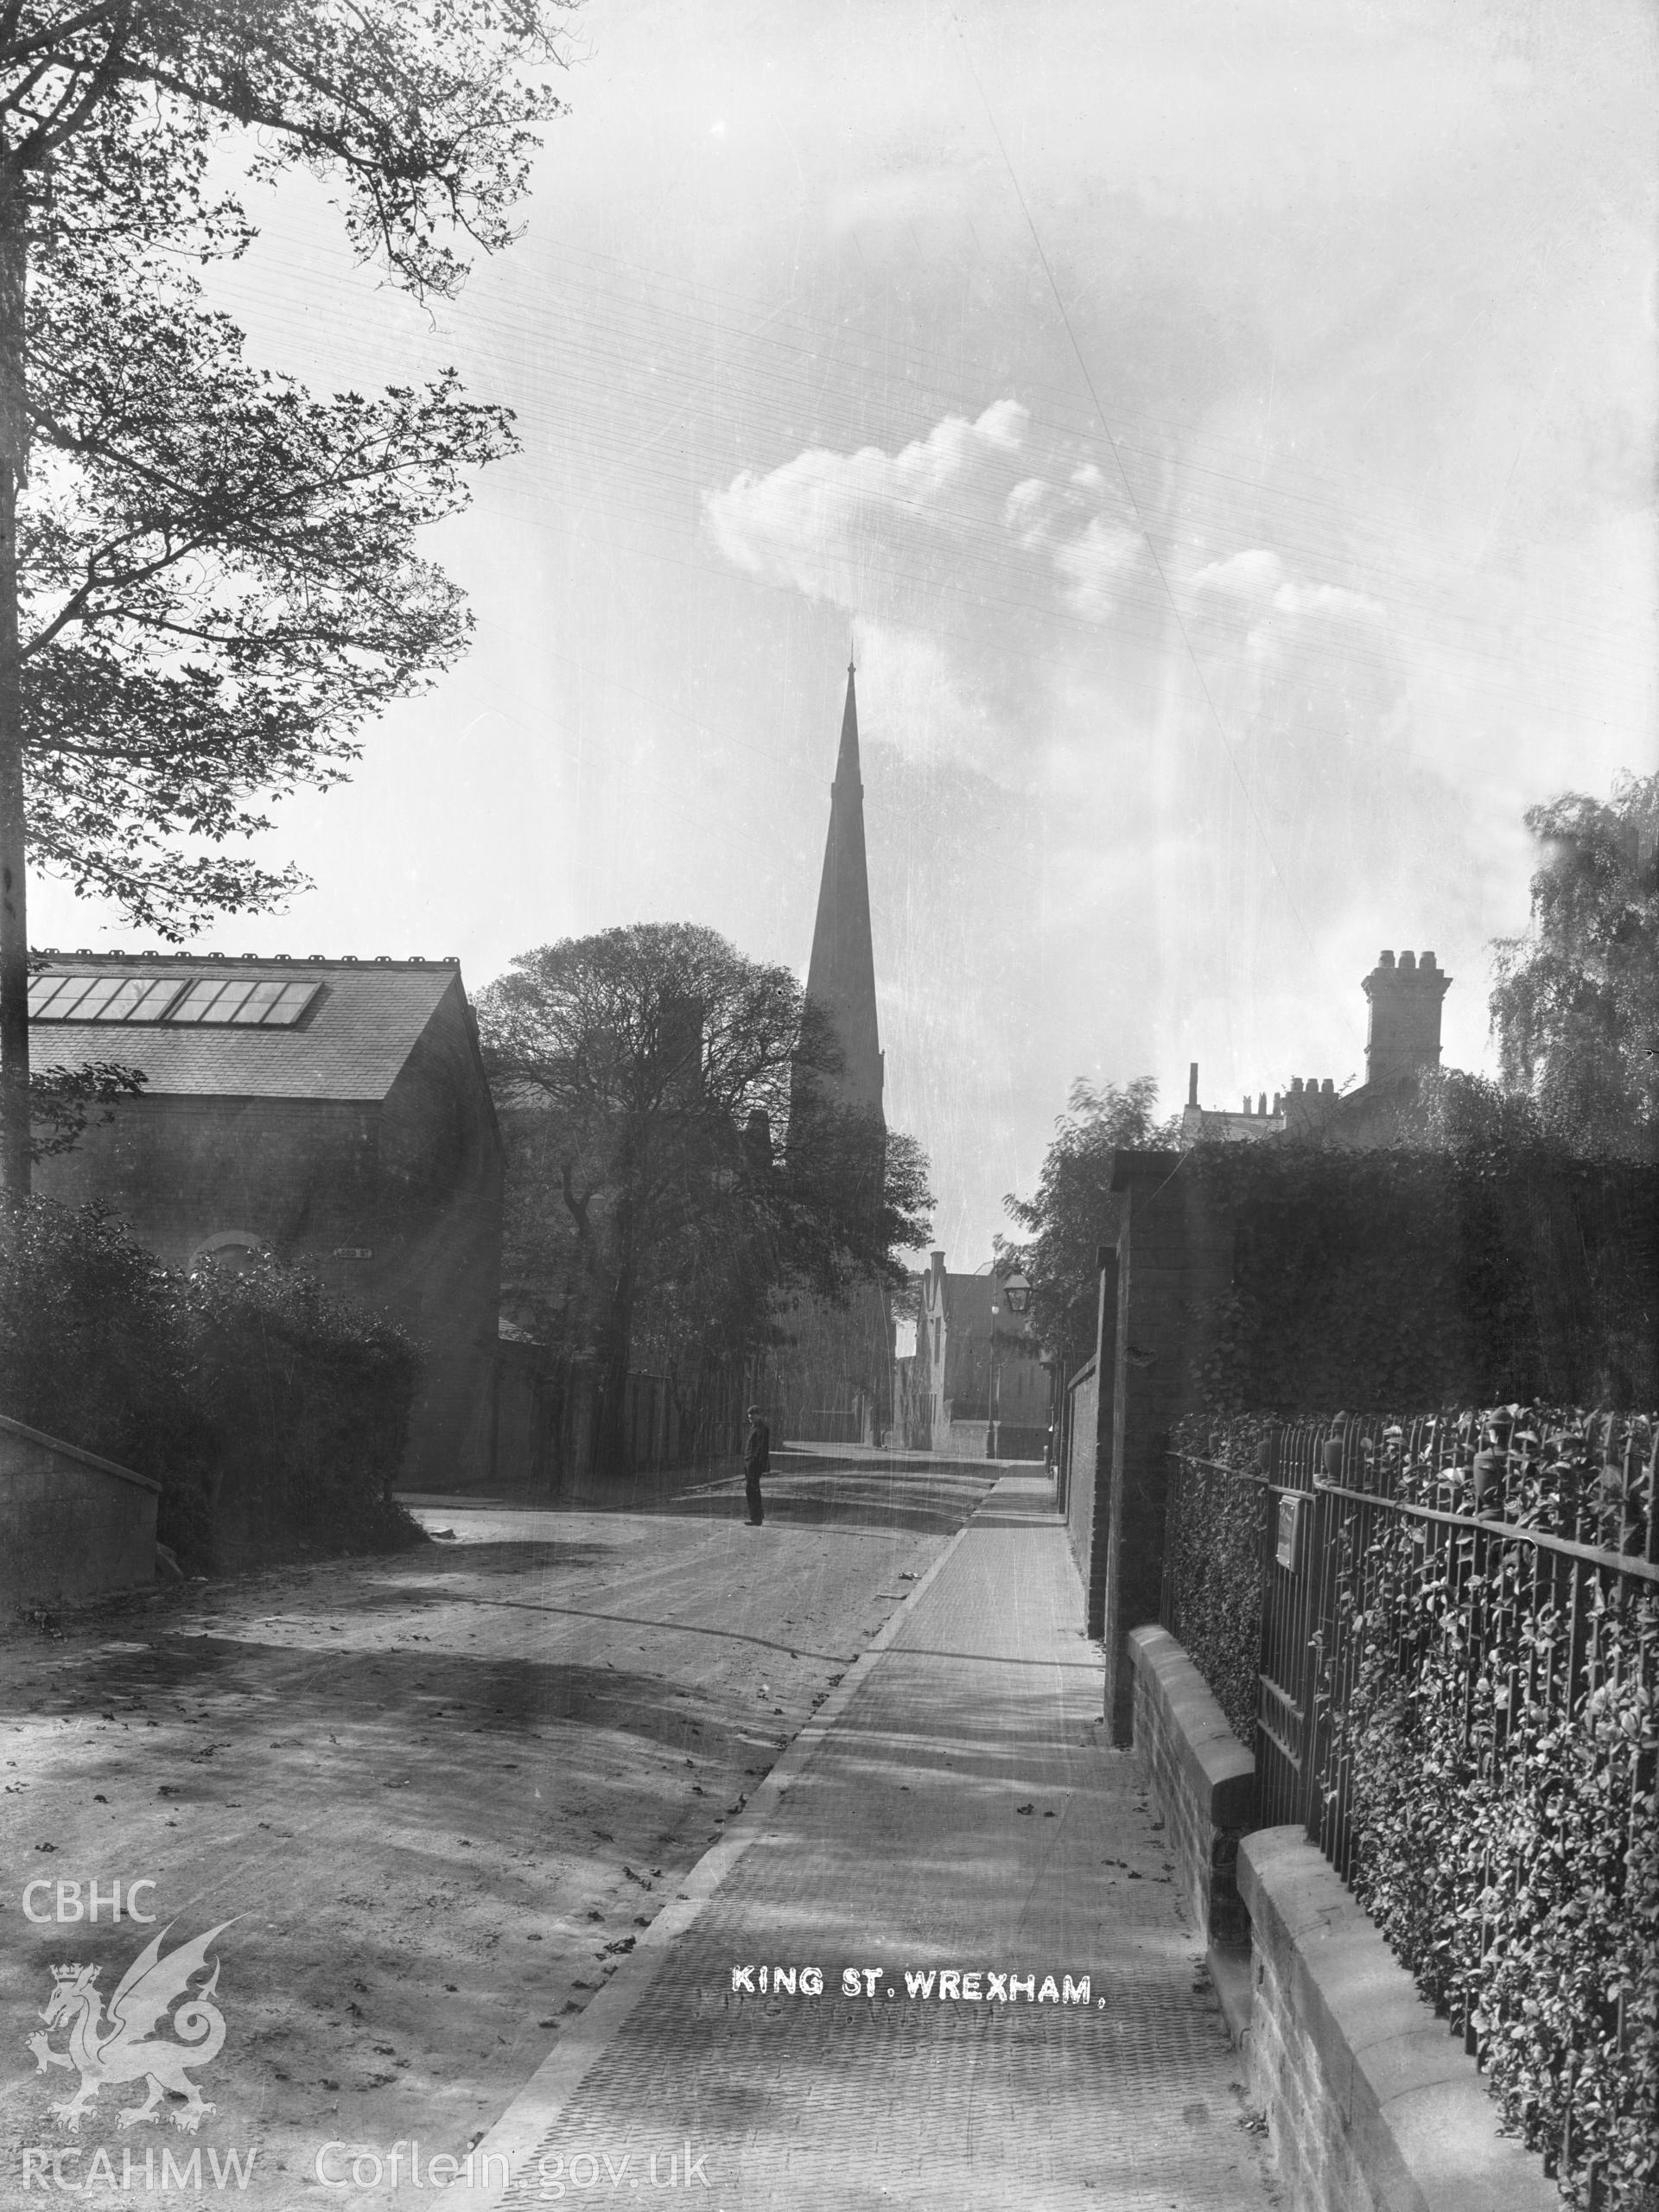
(754, 1413)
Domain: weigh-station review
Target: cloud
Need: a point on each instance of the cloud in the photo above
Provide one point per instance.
(1278, 613)
(1095, 565)
(832, 524)
(1028, 511)
(1262, 575)
(933, 535)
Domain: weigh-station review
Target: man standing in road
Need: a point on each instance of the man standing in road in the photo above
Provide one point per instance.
(757, 1459)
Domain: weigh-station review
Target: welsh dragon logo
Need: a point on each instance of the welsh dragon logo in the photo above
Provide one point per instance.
(119, 2046)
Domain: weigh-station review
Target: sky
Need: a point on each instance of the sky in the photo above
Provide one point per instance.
(1223, 429)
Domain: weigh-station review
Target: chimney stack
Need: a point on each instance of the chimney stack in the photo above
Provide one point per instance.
(1403, 1035)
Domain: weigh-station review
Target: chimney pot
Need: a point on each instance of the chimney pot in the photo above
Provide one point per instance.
(1404, 1032)
(1328, 1089)
(1192, 1083)
(1385, 960)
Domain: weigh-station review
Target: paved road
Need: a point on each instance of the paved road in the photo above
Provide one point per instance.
(437, 1795)
(955, 1809)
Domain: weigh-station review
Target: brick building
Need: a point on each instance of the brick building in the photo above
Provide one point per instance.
(1402, 1041)
(978, 1387)
(333, 1113)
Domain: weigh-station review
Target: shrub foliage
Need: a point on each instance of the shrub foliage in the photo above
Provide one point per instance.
(1493, 1708)
(273, 1415)
(1372, 1279)
(1212, 1560)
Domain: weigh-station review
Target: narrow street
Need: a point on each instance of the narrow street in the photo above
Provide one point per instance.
(990, 1994)
(438, 1795)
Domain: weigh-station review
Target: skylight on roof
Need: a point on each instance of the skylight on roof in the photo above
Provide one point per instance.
(247, 1001)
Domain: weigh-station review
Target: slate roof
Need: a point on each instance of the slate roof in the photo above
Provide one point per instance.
(352, 1042)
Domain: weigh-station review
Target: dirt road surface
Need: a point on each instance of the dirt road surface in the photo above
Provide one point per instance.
(433, 1796)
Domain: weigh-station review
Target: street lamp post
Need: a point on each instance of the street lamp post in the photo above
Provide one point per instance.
(1015, 1289)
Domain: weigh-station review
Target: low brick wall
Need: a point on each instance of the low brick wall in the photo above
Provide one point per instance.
(71, 1525)
(1372, 2105)
(1201, 1775)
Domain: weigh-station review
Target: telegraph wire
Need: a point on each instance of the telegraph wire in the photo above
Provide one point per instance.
(1129, 490)
(619, 352)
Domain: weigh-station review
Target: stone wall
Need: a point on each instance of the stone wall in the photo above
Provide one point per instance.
(1174, 1262)
(437, 1243)
(1082, 1459)
(962, 1440)
(1009, 1441)
(71, 1525)
(1200, 1775)
(1370, 2104)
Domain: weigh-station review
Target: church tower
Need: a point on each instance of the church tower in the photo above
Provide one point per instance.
(841, 977)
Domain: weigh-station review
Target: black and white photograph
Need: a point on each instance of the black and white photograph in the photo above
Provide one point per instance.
(830, 1105)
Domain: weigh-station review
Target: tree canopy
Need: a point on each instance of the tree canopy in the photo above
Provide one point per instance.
(1073, 1211)
(1576, 1004)
(218, 588)
(661, 1193)
(207, 578)
(423, 117)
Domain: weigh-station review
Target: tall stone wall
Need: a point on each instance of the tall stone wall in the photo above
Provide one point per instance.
(438, 1246)
(1174, 1262)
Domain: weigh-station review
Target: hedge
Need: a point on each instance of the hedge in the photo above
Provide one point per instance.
(1502, 1755)
(273, 1415)
(1369, 1280)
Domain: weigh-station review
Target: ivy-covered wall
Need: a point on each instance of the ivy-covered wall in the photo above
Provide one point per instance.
(1212, 1559)
(1489, 1718)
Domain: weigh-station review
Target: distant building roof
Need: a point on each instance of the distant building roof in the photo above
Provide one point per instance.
(321, 1029)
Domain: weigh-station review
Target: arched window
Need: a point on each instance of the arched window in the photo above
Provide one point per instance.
(229, 1251)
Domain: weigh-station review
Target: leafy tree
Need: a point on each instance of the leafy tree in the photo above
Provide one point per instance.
(1074, 1211)
(206, 579)
(1452, 1110)
(64, 1101)
(640, 1074)
(1576, 1005)
(218, 585)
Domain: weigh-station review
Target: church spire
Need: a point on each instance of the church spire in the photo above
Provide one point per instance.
(841, 978)
(846, 759)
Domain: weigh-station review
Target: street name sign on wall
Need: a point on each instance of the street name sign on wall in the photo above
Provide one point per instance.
(1286, 1548)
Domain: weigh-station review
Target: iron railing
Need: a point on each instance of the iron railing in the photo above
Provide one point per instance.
(1476, 1486)
(1504, 1565)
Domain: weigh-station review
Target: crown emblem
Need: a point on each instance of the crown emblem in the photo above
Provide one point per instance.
(74, 1973)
